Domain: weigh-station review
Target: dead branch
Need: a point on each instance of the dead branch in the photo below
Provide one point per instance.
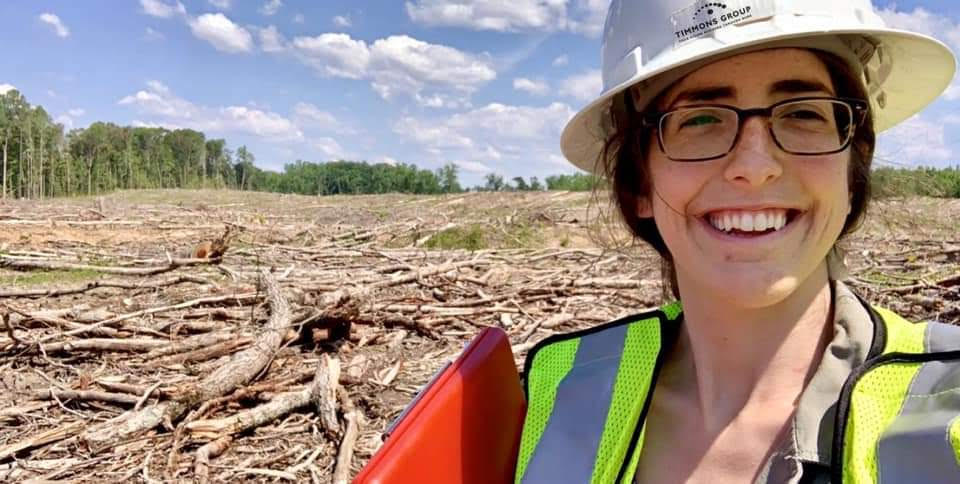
(205, 453)
(233, 298)
(27, 265)
(328, 371)
(104, 344)
(52, 317)
(190, 343)
(89, 286)
(324, 396)
(22, 410)
(203, 354)
(239, 370)
(88, 395)
(42, 438)
(341, 473)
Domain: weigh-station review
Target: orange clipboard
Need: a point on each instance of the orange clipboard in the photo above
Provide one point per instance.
(463, 428)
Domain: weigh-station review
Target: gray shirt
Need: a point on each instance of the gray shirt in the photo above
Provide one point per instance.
(807, 444)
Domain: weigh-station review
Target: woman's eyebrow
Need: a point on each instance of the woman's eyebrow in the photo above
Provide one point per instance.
(704, 94)
(798, 86)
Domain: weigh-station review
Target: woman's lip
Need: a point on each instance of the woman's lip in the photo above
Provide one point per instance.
(762, 238)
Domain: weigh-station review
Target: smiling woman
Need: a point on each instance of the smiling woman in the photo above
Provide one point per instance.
(738, 138)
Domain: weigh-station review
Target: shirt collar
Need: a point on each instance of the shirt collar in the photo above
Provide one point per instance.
(813, 423)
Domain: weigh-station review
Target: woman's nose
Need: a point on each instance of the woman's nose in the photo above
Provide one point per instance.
(756, 158)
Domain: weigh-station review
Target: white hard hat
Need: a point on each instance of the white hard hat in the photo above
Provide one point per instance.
(653, 43)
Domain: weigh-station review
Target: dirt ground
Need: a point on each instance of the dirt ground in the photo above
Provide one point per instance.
(125, 356)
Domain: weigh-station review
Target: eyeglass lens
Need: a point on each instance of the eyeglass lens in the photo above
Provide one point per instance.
(806, 127)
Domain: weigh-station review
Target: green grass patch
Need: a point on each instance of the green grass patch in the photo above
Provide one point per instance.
(47, 278)
(469, 237)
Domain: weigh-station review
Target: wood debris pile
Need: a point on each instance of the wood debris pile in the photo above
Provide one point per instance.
(286, 353)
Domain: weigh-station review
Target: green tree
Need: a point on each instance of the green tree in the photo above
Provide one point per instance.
(243, 167)
(189, 154)
(535, 184)
(520, 184)
(447, 175)
(494, 182)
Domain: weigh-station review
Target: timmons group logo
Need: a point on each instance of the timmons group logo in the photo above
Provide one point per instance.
(702, 18)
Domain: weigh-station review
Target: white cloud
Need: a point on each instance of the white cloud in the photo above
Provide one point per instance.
(65, 120)
(561, 61)
(158, 100)
(222, 33)
(405, 64)
(310, 116)
(55, 22)
(329, 148)
(501, 122)
(388, 160)
(916, 141)
(271, 7)
(935, 25)
(523, 138)
(432, 74)
(299, 18)
(489, 14)
(152, 34)
(431, 135)
(223, 4)
(271, 40)
(582, 16)
(951, 119)
(335, 55)
(76, 112)
(342, 21)
(582, 87)
(473, 166)
(536, 87)
(5, 88)
(147, 124)
(264, 124)
(159, 8)
(588, 17)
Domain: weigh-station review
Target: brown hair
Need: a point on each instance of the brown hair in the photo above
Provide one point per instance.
(625, 152)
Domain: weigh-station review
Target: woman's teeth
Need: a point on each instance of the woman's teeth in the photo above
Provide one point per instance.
(752, 221)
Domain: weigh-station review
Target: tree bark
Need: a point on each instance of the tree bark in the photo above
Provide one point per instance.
(20, 166)
(41, 164)
(6, 135)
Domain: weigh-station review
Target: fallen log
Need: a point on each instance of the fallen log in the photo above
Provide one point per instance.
(241, 369)
(26, 265)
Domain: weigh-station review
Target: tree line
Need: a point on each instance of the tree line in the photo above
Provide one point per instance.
(41, 159)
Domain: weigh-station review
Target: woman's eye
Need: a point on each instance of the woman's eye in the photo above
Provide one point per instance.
(805, 114)
(700, 120)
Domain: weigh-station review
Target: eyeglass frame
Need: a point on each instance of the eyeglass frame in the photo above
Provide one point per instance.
(858, 112)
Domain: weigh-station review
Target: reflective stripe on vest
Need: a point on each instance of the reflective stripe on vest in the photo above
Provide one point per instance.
(592, 385)
(587, 391)
(902, 419)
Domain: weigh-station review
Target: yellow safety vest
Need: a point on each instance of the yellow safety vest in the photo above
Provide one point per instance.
(588, 394)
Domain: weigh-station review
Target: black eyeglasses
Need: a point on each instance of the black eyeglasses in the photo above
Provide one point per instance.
(800, 126)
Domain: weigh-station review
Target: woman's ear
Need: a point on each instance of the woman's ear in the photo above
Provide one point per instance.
(644, 208)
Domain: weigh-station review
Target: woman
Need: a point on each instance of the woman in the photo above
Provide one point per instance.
(738, 138)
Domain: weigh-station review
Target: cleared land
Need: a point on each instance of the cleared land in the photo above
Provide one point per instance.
(124, 355)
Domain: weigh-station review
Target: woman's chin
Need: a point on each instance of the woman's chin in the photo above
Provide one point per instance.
(750, 290)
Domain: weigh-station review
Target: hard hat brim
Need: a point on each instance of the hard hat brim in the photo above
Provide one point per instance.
(921, 67)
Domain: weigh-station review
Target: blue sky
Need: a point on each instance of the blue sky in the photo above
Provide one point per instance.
(488, 85)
